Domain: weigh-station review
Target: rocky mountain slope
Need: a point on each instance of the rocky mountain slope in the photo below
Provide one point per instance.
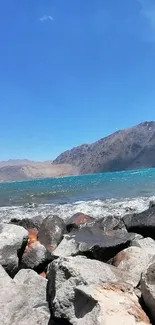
(27, 170)
(131, 148)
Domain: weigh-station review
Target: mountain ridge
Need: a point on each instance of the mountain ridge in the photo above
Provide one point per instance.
(131, 148)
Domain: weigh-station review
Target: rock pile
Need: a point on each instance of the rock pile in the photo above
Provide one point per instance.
(84, 272)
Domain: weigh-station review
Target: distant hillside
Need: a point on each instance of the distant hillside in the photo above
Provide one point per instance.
(131, 148)
(33, 170)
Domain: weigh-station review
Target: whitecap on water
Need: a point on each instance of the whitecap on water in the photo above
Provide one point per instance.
(96, 209)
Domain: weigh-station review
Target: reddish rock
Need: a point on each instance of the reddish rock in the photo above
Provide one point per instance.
(33, 236)
(77, 220)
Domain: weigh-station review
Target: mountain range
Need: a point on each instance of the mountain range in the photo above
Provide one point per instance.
(131, 148)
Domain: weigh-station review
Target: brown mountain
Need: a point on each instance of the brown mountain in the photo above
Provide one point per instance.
(20, 170)
(131, 148)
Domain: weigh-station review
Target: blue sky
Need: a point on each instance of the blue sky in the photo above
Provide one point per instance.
(72, 72)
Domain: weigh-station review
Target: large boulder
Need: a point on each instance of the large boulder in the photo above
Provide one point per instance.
(19, 303)
(35, 257)
(65, 274)
(35, 287)
(77, 220)
(13, 240)
(142, 223)
(134, 260)
(51, 232)
(107, 304)
(93, 242)
(148, 289)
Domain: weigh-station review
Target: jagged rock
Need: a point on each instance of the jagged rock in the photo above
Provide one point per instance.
(78, 219)
(148, 288)
(13, 240)
(65, 274)
(93, 242)
(36, 257)
(134, 260)
(17, 305)
(108, 223)
(142, 223)
(144, 243)
(107, 304)
(51, 232)
(28, 224)
(35, 287)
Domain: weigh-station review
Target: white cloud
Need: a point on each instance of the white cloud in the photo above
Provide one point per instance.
(45, 17)
(148, 12)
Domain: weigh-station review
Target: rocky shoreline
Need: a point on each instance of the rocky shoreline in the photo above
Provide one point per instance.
(78, 271)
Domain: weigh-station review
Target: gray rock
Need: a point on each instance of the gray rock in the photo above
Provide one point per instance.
(66, 274)
(51, 232)
(35, 287)
(28, 224)
(13, 240)
(4, 277)
(142, 223)
(109, 223)
(107, 304)
(144, 243)
(36, 257)
(134, 260)
(93, 242)
(148, 289)
(19, 304)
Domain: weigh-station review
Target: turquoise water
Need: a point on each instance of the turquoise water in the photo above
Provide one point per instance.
(118, 185)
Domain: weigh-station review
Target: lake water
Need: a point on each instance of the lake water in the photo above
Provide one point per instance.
(97, 194)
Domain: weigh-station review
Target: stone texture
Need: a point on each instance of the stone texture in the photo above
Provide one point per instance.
(107, 304)
(109, 223)
(142, 223)
(93, 242)
(26, 223)
(51, 232)
(148, 289)
(134, 260)
(65, 274)
(19, 304)
(145, 243)
(13, 240)
(77, 220)
(35, 287)
(36, 257)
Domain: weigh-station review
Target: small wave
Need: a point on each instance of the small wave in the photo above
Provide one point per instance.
(96, 209)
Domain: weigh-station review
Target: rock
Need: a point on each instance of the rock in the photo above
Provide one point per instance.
(65, 274)
(148, 289)
(13, 240)
(28, 224)
(4, 277)
(151, 204)
(144, 243)
(142, 223)
(36, 257)
(19, 303)
(134, 260)
(110, 223)
(35, 287)
(78, 219)
(93, 243)
(107, 304)
(51, 232)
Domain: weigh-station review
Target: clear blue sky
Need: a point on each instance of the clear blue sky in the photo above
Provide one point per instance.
(73, 71)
